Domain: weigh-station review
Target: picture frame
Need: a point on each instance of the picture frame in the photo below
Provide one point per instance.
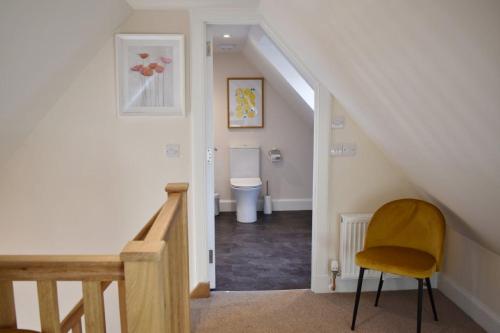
(245, 102)
(150, 74)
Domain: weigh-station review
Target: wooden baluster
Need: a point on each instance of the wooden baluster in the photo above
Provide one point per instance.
(167, 283)
(185, 305)
(123, 306)
(7, 305)
(93, 304)
(77, 328)
(144, 286)
(183, 255)
(49, 306)
(173, 284)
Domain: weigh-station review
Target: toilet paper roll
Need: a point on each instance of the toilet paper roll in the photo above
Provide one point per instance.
(275, 155)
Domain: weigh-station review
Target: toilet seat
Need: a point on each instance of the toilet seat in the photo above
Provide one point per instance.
(245, 183)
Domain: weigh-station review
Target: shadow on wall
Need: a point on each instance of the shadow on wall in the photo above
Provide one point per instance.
(453, 220)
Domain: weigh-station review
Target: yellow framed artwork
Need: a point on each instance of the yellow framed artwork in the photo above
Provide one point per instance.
(245, 102)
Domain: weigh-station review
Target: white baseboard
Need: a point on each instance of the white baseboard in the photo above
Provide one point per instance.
(321, 284)
(278, 205)
(473, 307)
(371, 284)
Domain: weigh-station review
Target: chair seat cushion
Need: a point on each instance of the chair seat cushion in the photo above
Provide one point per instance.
(397, 260)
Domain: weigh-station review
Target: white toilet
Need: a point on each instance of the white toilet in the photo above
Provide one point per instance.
(245, 181)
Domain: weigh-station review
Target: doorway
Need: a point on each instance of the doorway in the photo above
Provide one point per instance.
(203, 227)
(260, 104)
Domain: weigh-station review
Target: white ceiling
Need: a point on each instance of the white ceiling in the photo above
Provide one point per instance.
(170, 4)
(238, 39)
(43, 50)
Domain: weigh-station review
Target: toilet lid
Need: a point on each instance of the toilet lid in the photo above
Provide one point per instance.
(245, 182)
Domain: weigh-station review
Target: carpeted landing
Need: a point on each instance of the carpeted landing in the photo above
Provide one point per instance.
(294, 311)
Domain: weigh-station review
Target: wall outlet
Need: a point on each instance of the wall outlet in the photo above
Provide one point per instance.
(337, 149)
(338, 122)
(344, 149)
(173, 150)
(349, 149)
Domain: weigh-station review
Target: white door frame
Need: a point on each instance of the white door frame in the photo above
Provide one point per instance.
(201, 207)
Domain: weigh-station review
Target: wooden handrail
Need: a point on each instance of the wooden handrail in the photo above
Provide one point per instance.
(161, 227)
(158, 251)
(75, 315)
(61, 268)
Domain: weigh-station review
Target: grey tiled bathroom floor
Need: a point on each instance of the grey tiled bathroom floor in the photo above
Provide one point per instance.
(272, 254)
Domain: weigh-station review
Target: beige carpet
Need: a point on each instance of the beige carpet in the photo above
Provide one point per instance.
(302, 311)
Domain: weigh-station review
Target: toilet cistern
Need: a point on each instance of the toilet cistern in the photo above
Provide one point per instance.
(245, 181)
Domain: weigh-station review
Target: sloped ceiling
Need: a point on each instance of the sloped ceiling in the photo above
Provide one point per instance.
(422, 78)
(44, 45)
(243, 40)
(253, 54)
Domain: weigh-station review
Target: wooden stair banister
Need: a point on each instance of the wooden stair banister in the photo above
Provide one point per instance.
(156, 270)
(152, 273)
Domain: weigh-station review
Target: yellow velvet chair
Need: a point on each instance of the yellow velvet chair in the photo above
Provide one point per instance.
(404, 237)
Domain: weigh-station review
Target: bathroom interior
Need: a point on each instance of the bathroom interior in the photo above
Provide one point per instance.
(263, 163)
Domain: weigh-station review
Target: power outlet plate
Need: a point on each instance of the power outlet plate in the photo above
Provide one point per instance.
(338, 122)
(344, 149)
(173, 150)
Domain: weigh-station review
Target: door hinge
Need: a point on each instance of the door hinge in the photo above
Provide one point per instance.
(209, 49)
(210, 156)
(210, 256)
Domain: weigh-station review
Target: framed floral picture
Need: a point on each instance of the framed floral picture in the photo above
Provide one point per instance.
(150, 74)
(245, 101)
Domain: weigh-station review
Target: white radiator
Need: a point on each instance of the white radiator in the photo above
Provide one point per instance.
(352, 238)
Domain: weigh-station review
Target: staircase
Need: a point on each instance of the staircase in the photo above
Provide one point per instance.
(151, 273)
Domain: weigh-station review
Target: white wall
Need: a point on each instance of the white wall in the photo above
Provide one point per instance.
(421, 79)
(470, 279)
(283, 128)
(86, 180)
(362, 183)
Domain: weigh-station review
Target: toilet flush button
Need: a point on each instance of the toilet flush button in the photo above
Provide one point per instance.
(172, 150)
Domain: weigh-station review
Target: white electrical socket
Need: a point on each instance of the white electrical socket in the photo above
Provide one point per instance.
(172, 150)
(349, 149)
(337, 149)
(344, 149)
(338, 122)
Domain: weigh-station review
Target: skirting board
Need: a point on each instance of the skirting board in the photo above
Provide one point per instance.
(477, 310)
(321, 284)
(202, 290)
(278, 205)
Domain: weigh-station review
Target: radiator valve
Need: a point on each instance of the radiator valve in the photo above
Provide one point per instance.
(334, 268)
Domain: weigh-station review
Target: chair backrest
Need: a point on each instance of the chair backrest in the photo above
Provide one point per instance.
(408, 223)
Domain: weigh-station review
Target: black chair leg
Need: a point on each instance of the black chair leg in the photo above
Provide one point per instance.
(429, 288)
(380, 283)
(358, 294)
(419, 309)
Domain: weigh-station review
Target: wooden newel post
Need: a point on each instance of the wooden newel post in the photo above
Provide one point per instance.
(184, 308)
(144, 286)
(7, 306)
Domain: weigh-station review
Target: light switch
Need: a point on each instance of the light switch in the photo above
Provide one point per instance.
(172, 150)
(349, 149)
(338, 122)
